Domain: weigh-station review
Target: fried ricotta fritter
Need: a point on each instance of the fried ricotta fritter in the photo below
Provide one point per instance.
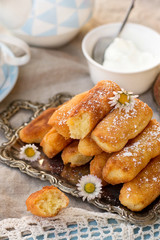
(114, 131)
(71, 155)
(93, 107)
(143, 189)
(37, 128)
(124, 165)
(53, 143)
(47, 202)
(88, 147)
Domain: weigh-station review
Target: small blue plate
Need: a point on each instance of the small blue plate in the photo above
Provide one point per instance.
(10, 75)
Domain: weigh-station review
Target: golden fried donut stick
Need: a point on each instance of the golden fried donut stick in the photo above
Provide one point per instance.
(91, 109)
(71, 155)
(124, 165)
(53, 143)
(88, 147)
(143, 189)
(37, 128)
(97, 164)
(114, 131)
(59, 118)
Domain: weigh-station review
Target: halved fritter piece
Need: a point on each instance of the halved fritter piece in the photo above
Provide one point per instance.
(91, 109)
(59, 118)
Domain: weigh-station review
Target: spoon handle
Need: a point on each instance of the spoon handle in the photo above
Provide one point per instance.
(126, 17)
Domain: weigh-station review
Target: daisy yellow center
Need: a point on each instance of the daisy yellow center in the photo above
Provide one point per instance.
(123, 98)
(89, 187)
(29, 152)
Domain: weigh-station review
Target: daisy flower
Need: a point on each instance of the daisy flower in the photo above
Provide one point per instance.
(123, 100)
(89, 187)
(29, 152)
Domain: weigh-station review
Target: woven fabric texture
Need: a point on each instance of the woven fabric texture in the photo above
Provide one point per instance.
(75, 224)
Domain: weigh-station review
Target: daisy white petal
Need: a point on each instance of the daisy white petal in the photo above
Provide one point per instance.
(89, 187)
(112, 98)
(29, 152)
(123, 100)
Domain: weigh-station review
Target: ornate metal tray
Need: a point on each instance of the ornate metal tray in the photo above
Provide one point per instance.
(55, 172)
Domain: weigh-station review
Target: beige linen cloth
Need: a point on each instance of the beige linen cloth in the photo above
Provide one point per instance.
(52, 71)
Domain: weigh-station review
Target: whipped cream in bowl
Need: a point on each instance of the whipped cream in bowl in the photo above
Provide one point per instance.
(124, 56)
(132, 61)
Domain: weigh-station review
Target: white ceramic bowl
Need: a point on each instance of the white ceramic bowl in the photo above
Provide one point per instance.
(143, 37)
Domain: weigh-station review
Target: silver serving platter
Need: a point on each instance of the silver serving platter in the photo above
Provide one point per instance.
(9, 155)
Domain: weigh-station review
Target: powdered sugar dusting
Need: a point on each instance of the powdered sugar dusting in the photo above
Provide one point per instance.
(96, 101)
(119, 127)
(150, 176)
(146, 184)
(62, 117)
(127, 154)
(136, 155)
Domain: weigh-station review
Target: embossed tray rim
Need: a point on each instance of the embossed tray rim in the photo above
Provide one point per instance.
(12, 135)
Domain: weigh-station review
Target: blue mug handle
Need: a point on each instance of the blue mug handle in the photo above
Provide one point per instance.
(13, 60)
